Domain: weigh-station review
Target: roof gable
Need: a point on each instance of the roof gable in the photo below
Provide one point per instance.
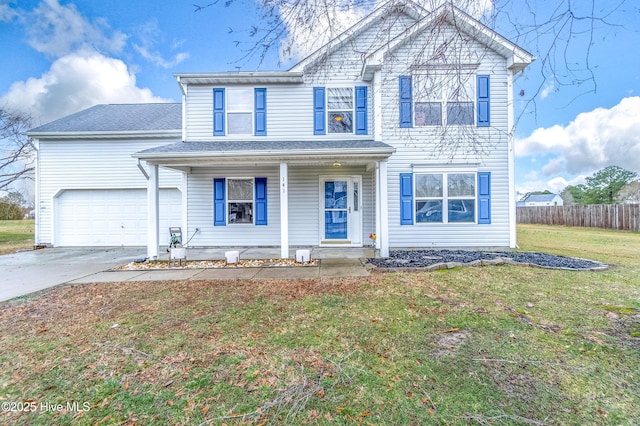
(408, 7)
(517, 57)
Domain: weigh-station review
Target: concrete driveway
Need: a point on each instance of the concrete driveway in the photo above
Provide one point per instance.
(29, 271)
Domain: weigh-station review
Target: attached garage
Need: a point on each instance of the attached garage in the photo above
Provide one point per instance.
(111, 217)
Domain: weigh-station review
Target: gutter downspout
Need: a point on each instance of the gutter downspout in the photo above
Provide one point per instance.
(144, 172)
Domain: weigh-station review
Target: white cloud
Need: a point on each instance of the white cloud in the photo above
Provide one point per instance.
(311, 28)
(547, 90)
(57, 30)
(555, 185)
(149, 37)
(74, 82)
(6, 13)
(592, 141)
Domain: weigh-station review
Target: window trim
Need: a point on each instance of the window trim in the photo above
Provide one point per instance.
(228, 200)
(222, 112)
(329, 110)
(445, 198)
(445, 100)
(249, 110)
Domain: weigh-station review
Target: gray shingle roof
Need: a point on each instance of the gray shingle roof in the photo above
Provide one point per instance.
(239, 146)
(118, 118)
(540, 198)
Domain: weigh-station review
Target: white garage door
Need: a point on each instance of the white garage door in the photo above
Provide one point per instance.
(112, 217)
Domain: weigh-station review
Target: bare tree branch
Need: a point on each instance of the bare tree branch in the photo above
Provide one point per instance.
(17, 151)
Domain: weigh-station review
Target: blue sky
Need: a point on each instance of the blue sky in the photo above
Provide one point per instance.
(61, 56)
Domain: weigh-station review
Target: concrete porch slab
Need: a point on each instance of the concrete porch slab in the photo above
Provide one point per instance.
(342, 268)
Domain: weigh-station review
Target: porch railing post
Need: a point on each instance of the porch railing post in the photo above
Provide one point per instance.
(284, 211)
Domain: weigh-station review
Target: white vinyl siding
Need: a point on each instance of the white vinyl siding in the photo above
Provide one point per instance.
(200, 210)
(289, 114)
(90, 164)
(304, 204)
(483, 148)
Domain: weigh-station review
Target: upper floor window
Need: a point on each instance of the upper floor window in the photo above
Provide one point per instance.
(240, 111)
(340, 110)
(444, 99)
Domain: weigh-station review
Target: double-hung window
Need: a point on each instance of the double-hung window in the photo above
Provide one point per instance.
(340, 109)
(445, 197)
(240, 111)
(240, 200)
(444, 99)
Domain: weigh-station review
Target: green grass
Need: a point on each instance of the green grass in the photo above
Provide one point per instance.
(465, 346)
(16, 235)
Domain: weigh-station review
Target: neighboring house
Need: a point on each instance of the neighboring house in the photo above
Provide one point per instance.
(541, 200)
(410, 141)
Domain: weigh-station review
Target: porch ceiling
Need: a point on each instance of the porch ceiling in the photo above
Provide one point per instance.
(194, 154)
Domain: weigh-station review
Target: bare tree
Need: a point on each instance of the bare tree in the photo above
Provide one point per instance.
(17, 151)
(559, 33)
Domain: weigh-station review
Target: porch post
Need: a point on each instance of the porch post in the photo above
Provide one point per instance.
(284, 211)
(153, 214)
(384, 210)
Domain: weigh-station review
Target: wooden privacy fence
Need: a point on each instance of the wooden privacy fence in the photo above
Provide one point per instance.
(609, 216)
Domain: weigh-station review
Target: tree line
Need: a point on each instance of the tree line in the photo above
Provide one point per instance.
(610, 185)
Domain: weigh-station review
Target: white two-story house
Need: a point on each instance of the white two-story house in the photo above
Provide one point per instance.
(400, 127)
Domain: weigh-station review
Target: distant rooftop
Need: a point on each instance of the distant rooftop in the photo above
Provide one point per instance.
(118, 118)
(540, 198)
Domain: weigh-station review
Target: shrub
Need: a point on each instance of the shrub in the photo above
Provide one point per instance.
(10, 211)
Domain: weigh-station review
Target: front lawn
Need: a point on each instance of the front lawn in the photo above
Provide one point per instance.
(16, 235)
(486, 345)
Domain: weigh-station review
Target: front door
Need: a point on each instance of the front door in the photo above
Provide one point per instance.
(341, 214)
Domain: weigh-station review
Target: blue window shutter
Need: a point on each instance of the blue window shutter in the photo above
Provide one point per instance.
(406, 102)
(261, 201)
(361, 110)
(260, 111)
(219, 202)
(218, 112)
(406, 198)
(484, 198)
(319, 127)
(483, 101)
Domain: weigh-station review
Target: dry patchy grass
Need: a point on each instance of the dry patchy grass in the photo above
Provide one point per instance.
(16, 235)
(491, 345)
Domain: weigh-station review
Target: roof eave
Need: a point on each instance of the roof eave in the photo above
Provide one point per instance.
(151, 134)
(263, 77)
(195, 157)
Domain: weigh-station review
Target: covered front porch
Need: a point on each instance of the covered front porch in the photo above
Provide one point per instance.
(269, 194)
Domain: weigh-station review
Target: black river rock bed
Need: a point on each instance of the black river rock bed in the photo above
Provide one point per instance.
(443, 259)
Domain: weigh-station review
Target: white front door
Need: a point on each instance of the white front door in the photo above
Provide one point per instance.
(341, 212)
